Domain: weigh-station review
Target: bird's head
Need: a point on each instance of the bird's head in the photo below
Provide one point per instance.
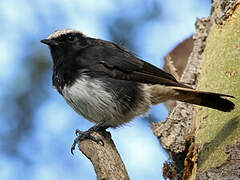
(66, 42)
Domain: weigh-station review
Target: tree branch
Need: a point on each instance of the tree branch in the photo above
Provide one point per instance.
(105, 158)
(175, 132)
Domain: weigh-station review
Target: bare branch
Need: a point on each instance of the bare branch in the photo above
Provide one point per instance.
(105, 158)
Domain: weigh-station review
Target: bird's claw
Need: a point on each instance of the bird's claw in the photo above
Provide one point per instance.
(81, 135)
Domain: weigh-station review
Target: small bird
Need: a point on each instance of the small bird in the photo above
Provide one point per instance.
(109, 85)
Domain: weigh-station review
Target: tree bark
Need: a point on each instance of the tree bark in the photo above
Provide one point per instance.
(217, 135)
(205, 143)
(105, 158)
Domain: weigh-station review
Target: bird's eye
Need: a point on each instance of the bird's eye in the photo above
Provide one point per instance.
(70, 38)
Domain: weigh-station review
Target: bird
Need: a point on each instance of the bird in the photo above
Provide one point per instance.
(109, 85)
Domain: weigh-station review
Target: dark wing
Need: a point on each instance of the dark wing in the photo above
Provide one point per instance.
(119, 63)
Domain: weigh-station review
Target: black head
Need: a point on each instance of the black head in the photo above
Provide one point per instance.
(64, 43)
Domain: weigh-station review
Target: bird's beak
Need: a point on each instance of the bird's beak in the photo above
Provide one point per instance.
(49, 42)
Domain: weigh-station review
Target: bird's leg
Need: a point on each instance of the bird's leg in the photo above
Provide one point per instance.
(81, 135)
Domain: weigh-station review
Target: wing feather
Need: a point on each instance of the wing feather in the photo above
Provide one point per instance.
(119, 63)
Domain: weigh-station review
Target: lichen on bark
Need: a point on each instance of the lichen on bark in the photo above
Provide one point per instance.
(220, 73)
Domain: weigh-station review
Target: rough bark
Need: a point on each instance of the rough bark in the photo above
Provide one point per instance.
(175, 132)
(204, 143)
(105, 158)
(218, 134)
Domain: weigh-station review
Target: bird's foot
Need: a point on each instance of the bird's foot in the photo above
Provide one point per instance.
(81, 135)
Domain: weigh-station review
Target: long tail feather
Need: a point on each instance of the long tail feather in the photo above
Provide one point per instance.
(208, 99)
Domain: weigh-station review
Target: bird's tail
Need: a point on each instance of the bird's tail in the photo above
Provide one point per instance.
(208, 99)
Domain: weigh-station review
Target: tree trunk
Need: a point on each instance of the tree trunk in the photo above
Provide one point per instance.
(205, 143)
(217, 136)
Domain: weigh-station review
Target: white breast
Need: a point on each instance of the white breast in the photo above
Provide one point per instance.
(88, 97)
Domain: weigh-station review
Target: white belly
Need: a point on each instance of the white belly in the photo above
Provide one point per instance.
(89, 98)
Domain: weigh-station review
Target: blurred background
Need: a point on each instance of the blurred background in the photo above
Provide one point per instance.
(36, 125)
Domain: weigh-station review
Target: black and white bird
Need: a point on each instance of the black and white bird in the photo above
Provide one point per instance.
(109, 86)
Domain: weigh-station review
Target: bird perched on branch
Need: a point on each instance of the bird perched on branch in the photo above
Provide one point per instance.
(109, 85)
